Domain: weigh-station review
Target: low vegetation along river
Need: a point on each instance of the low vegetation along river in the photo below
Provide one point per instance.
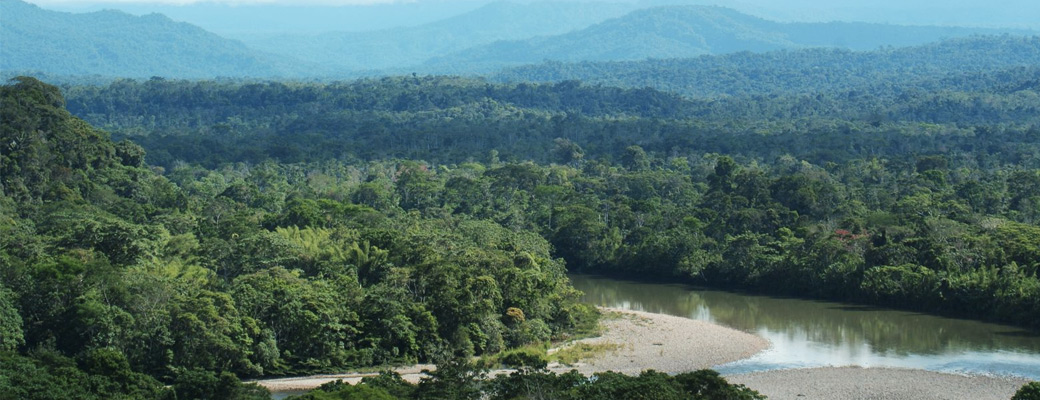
(808, 333)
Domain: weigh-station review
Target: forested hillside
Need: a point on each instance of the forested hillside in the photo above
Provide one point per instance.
(114, 278)
(924, 197)
(112, 43)
(451, 120)
(954, 64)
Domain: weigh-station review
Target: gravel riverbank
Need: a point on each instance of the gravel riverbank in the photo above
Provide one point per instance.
(846, 383)
(666, 343)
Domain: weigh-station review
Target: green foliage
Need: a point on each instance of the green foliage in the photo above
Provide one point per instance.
(256, 270)
(650, 384)
(1029, 391)
(576, 352)
(11, 335)
(391, 382)
(103, 374)
(208, 332)
(453, 379)
(345, 391)
(530, 356)
(48, 155)
(818, 120)
(313, 323)
(913, 284)
(206, 385)
(814, 71)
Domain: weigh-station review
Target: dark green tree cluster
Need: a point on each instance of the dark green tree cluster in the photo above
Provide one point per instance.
(1030, 391)
(456, 381)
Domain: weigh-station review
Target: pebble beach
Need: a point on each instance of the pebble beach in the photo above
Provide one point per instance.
(847, 383)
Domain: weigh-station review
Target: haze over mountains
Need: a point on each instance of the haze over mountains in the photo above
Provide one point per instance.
(237, 19)
(113, 43)
(394, 48)
(485, 40)
(311, 16)
(690, 31)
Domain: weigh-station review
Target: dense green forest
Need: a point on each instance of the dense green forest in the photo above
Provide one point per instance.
(928, 201)
(955, 64)
(242, 229)
(451, 120)
(115, 278)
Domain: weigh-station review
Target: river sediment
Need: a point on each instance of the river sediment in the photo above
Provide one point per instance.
(666, 343)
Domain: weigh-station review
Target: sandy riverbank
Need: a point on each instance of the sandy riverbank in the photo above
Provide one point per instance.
(876, 383)
(666, 343)
(642, 340)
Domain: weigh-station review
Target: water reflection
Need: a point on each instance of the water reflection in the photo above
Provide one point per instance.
(815, 333)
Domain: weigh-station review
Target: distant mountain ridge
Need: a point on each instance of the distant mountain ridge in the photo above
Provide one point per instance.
(410, 46)
(689, 31)
(113, 43)
(484, 41)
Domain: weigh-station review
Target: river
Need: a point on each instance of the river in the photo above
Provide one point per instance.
(807, 333)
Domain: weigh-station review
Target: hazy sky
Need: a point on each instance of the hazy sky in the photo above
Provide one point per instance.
(938, 4)
(234, 2)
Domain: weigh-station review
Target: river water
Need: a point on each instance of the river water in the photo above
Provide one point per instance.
(806, 333)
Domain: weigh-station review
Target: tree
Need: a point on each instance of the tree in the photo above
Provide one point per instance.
(1029, 391)
(454, 379)
(567, 152)
(313, 322)
(10, 321)
(206, 385)
(635, 158)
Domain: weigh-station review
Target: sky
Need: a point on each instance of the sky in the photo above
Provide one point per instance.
(936, 4)
(89, 3)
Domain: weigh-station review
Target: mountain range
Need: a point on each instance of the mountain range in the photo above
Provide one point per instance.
(488, 39)
(690, 31)
(113, 43)
(411, 46)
